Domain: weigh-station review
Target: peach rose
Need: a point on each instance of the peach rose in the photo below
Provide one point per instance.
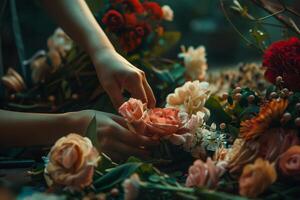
(204, 174)
(289, 162)
(133, 111)
(71, 161)
(162, 122)
(256, 178)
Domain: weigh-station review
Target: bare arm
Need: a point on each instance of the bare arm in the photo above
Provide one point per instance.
(75, 17)
(26, 129)
(114, 72)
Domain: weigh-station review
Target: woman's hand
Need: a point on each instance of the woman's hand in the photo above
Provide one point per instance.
(114, 139)
(116, 74)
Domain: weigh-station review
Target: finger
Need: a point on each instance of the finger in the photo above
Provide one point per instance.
(129, 137)
(127, 150)
(114, 155)
(115, 94)
(118, 119)
(149, 93)
(136, 88)
(125, 136)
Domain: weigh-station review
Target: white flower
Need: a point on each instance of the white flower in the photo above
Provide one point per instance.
(168, 13)
(190, 97)
(131, 187)
(195, 62)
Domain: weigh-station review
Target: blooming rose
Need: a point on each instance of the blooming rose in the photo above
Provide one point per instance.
(143, 29)
(162, 122)
(113, 20)
(256, 178)
(133, 111)
(154, 9)
(130, 19)
(71, 161)
(133, 6)
(131, 187)
(204, 174)
(130, 41)
(194, 62)
(190, 97)
(289, 162)
(282, 58)
(168, 13)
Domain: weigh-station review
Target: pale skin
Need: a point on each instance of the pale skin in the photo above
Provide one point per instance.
(115, 74)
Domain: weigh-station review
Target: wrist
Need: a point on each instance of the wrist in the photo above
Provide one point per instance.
(77, 122)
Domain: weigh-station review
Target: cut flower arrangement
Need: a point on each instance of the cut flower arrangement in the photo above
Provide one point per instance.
(238, 145)
(230, 135)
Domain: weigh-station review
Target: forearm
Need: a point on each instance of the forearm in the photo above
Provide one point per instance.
(27, 129)
(75, 17)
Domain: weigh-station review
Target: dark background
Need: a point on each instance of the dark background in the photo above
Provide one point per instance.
(201, 22)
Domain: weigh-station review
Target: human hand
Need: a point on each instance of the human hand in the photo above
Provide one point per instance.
(116, 74)
(114, 139)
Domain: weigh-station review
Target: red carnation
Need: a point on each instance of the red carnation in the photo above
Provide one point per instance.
(130, 19)
(154, 9)
(143, 29)
(113, 20)
(282, 58)
(133, 6)
(130, 41)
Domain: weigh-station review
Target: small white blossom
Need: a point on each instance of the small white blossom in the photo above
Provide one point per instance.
(168, 13)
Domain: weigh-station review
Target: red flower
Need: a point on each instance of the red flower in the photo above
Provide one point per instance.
(282, 58)
(130, 41)
(133, 6)
(143, 29)
(130, 20)
(154, 9)
(113, 20)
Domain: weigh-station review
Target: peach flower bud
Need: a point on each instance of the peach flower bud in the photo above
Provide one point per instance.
(289, 162)
(256, 178)
(204, 174)
(71, 161)
(133, 111)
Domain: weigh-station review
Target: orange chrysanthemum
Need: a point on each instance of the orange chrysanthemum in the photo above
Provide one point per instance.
(271, 112)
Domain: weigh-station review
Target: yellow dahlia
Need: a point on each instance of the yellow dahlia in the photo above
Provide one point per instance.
(270, 113)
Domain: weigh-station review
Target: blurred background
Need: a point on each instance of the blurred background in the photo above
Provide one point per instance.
(201, 22)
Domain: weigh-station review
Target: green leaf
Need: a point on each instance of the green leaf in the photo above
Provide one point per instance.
(116, 176)
(105, 163)
(233, 131)
(218, 115)
(214, 195)
(91, 132)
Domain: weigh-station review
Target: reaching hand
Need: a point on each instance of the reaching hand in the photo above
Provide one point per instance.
(115, 140)
(116, 74)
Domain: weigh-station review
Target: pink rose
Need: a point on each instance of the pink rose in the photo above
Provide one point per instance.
(204, 174)
(133, 111)
(162, 122)
(71, 161)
